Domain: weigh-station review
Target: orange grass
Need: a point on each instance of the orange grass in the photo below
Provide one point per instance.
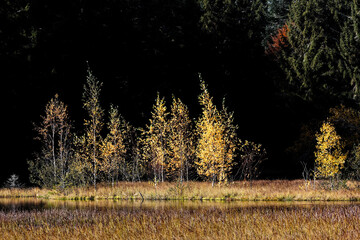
(208, 221)
(260, 190)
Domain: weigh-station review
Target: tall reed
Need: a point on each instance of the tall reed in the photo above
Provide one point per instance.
(264, 221)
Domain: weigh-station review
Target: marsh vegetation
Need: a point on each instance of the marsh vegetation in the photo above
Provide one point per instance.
(46, 219)
(259, 190)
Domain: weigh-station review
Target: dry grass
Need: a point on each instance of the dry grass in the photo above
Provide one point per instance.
(21, 192)
(208, 221)
(261, 190)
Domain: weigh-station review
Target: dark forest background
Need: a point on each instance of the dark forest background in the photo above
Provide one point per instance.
(140, 47)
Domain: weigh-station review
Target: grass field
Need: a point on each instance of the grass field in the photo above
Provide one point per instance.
(278, 209)
(206, 221)
(261, 190)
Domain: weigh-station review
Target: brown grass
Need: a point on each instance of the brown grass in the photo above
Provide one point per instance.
(206, 221)
(261, 190)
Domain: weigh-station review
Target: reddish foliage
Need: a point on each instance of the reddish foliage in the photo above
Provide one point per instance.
(279, 41)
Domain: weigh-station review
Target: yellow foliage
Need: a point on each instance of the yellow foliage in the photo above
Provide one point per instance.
(329, 158)
(54, 133)
(155, 140)
(113, 148)
(215, 154)
(93, 124)
(180, 140)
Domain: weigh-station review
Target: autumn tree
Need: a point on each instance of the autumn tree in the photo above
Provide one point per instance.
(50, 166)
(155, 139)
(346, 121)
(329, 156)
(214, 160)
(278, 41)
(113, 149)
(231, 138)
(93, 125)
(79, 174)
(180, 141)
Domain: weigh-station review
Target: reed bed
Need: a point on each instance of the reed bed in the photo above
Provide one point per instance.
(261, 190)
(222, 221)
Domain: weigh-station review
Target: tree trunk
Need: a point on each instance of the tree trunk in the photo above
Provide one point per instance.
(162, 172)
(94, 156)
(53, 152)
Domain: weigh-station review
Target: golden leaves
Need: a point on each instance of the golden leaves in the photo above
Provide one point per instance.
(180, 139)
(329, 157)
(93, 124)
(54, 135)
(216, 139)
(112, 148)
(155, 150)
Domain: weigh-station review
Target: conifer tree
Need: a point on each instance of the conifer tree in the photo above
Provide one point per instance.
(276, 15)
(312, 61)
(349, 48)
(222, 15)
(13, 182)
(180, 141)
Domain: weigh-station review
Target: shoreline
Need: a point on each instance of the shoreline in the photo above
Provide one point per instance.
(259, 190)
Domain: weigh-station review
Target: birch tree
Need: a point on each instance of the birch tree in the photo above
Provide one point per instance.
(50, 166)
(113, 148)
(155, 139)
(214, 160)
(329, 158)
(93, 125)
(180, 141)
(231, 139)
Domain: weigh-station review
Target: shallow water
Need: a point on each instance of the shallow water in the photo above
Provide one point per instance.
(28, 204)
